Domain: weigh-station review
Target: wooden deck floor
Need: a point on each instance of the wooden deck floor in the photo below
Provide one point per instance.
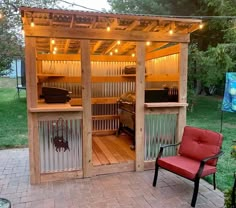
(112, 150)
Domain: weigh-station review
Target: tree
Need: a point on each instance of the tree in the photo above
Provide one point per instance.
(210, 54)
(11, 40)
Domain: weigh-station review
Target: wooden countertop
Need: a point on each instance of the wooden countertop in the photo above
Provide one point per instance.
(165, 105)
(55, 107)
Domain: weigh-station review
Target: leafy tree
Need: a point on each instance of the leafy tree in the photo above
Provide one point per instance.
(11, 40)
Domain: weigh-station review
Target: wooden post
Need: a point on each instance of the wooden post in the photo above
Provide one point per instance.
(183, 77)
(87, 108)
(139, 108)
(32, 99)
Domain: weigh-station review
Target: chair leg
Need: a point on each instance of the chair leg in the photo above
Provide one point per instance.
(155, 175)
(195, 192)
(214, 181)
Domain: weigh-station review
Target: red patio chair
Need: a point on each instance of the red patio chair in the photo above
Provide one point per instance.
(197, 157)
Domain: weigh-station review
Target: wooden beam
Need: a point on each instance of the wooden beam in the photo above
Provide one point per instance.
(101, 34)
(86, 103)
(183, 76)
(155, 46)
(68, 40)
(139, 107)
(31, 72)
(76, 57)
(163, 52)
(129, 28)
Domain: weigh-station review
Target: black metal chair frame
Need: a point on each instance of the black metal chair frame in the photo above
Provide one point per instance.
(198, 174)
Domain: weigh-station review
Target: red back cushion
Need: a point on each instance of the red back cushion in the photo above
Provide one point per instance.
(200, 143)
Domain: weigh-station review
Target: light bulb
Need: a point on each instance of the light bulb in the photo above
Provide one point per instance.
(118, 42)
(201, 26)
(116, 50)
(108, 29)
(53, 41)
(111, 53)
(148, 43)
(133, 55)
(54, 52)
(171, 32)
(55, 49)
(32, 23)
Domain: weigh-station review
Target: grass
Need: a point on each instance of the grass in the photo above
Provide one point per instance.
(206, 114)
(13, 119)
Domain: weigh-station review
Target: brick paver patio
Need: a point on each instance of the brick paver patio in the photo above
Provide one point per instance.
(126, 190)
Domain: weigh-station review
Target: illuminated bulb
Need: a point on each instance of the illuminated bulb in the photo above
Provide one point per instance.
(133, 55)
(32, 24)
(118, 42)
(148, 43)
(108, 29)
(54, 52)
(116, 50)
(200, 26)
(170, 32)
(55, 49)
(111, 53)
(53, 41)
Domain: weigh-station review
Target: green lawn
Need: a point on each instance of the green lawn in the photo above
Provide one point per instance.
(13, 119)
(206, 114)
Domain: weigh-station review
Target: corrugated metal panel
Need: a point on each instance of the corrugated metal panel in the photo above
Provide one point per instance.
(54, 159)
(159, 129)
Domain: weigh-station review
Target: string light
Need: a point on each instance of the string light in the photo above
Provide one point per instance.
(108, 28)
(55, 49)
(116, 50)
(32, 22)
(111, 53)
(201, 26)
(133, 55)
(148, 43)
(118, 42)
(54, 52)
(171, 32)
(53, 41)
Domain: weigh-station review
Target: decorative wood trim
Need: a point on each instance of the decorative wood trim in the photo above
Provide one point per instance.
(59, 176)
(183, 77)
(139, 108)
(163, 52)
(99, 34)
(86, 103)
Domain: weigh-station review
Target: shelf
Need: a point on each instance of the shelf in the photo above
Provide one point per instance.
(55, 107)
(165, 105)
(132, 75)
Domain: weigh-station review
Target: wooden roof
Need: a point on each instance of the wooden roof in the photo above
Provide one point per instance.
(67, 27)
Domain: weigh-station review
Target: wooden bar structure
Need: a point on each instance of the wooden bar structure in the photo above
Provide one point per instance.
(74, 50)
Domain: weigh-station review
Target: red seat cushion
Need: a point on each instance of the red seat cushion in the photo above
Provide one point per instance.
(200, 143)
(184, 166)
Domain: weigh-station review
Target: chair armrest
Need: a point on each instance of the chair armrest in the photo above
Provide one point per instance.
(203, 162)
(165, 146)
